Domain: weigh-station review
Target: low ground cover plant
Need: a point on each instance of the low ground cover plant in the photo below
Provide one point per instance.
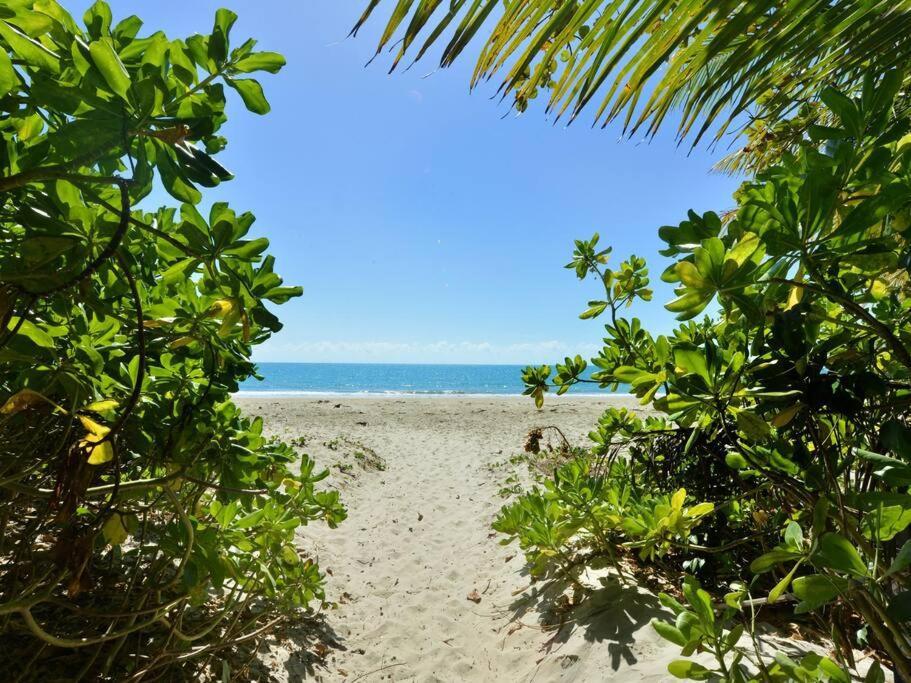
(145, 524)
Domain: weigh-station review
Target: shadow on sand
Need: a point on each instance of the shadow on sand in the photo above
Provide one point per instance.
(305, 645)
(606, 610)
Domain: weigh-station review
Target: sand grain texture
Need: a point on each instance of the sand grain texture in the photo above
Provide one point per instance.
(417, 544)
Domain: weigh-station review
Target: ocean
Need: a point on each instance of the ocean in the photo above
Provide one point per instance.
(387, 378)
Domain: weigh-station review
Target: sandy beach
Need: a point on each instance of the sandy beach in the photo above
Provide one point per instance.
(417, 543)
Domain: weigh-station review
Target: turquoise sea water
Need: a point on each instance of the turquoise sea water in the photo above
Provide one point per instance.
(382, 378)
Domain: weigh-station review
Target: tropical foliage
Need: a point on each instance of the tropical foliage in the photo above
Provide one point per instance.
(707, 63)
(145, 522)
(793, 395)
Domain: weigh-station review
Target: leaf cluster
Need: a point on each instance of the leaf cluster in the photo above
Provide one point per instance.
(798, 379)
(146, 522)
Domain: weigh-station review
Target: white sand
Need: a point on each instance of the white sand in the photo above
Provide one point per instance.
(417, 542)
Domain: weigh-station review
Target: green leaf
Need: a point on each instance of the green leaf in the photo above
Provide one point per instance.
(699, 510)
(115, 529)
(690, 670)
(260, 61)
(179, 270)
(173, 180)
(875, 674)
(773, 558)
(253, 518)
(688, 305)
(845, 109)
(699, 599)
(595, 309)
(9, 81)
(218, 41)
(98, 19)
(736, 461)
(752, 425)
(126, 29)
(689, 275)
(820, 515)
(248, 249)
(793, 536)
(892, 470)
(251, 92)
(110, 66)
(29, 50)
(816, 590)
(669, 632)
(897, 438)
(29, 330)
(836, 552)
(886, 521)
(39, 251)
(782, 585)
(694, 361)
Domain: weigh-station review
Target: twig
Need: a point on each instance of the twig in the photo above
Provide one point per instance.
(382, 668)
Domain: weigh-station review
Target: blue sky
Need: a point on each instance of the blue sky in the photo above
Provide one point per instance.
(423, 225)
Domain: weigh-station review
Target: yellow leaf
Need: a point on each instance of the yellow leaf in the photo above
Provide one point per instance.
(181, 341)
(879, 289)
(157, 322)
(289, 555)
(114, 530)
(221, 308)
(25, 398)
(786, 415)
(678, 498)
(228, 323)
(103, 452)
(94, 428)
(100, 454)
(102, 406)
(689, 275)
(699, 510)
(794, 297)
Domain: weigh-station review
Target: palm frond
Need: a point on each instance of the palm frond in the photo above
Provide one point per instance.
(707, 61)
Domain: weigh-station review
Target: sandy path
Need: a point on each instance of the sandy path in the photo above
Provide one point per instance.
(418, 541)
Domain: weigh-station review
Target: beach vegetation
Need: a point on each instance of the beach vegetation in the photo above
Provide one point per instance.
(145, 523)
(778, 407)
(711, 67)
(785, 387)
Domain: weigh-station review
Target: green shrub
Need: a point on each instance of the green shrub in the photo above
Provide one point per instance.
(145, 521)
(797, 387)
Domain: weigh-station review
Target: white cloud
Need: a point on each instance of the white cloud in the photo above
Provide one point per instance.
(379, 351)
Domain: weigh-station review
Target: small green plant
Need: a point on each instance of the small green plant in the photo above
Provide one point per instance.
(364, 456)
(578, 512)
(701, 627)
